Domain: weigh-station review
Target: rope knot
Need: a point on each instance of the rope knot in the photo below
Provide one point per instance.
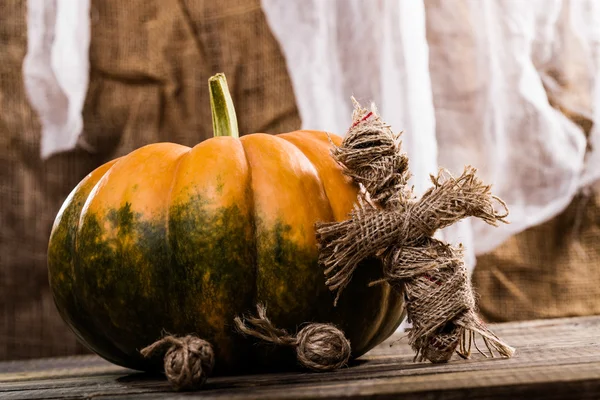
(319, 347)
(322, 347)
(188, 360)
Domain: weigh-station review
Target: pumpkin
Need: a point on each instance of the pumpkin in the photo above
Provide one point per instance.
(179, 240)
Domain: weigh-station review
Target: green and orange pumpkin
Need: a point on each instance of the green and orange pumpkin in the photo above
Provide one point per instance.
(179, 240)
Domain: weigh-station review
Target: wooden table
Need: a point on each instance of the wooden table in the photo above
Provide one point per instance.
(555, 359)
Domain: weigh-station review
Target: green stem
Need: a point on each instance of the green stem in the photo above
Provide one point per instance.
(223, 113)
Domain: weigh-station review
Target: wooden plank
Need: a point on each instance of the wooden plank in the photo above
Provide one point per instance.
(539, 382)
(554, 358)
(57, 363)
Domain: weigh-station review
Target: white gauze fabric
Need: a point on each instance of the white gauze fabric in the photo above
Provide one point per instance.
(56, 69)
(495, 67)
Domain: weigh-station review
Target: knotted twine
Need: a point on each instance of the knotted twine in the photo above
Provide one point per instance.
(390, 223)
(188, 360)
(319, 347)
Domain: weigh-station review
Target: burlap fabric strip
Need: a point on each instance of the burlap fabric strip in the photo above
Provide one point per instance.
(319, 347)
(389, 222)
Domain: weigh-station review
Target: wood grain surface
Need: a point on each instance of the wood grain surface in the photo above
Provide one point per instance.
(555, 359)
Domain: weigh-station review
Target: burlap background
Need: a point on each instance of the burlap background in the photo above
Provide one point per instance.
(150, 62)
(551, 270)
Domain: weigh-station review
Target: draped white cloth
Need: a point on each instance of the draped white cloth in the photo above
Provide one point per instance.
(490, 61)
(56, 69)
(483, 82)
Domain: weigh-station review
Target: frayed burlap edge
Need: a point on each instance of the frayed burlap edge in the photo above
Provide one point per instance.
(390, 223)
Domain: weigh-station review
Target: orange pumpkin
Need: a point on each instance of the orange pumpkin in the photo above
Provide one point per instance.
(181, 240)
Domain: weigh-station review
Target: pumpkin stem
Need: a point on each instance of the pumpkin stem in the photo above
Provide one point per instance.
(223, 113)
